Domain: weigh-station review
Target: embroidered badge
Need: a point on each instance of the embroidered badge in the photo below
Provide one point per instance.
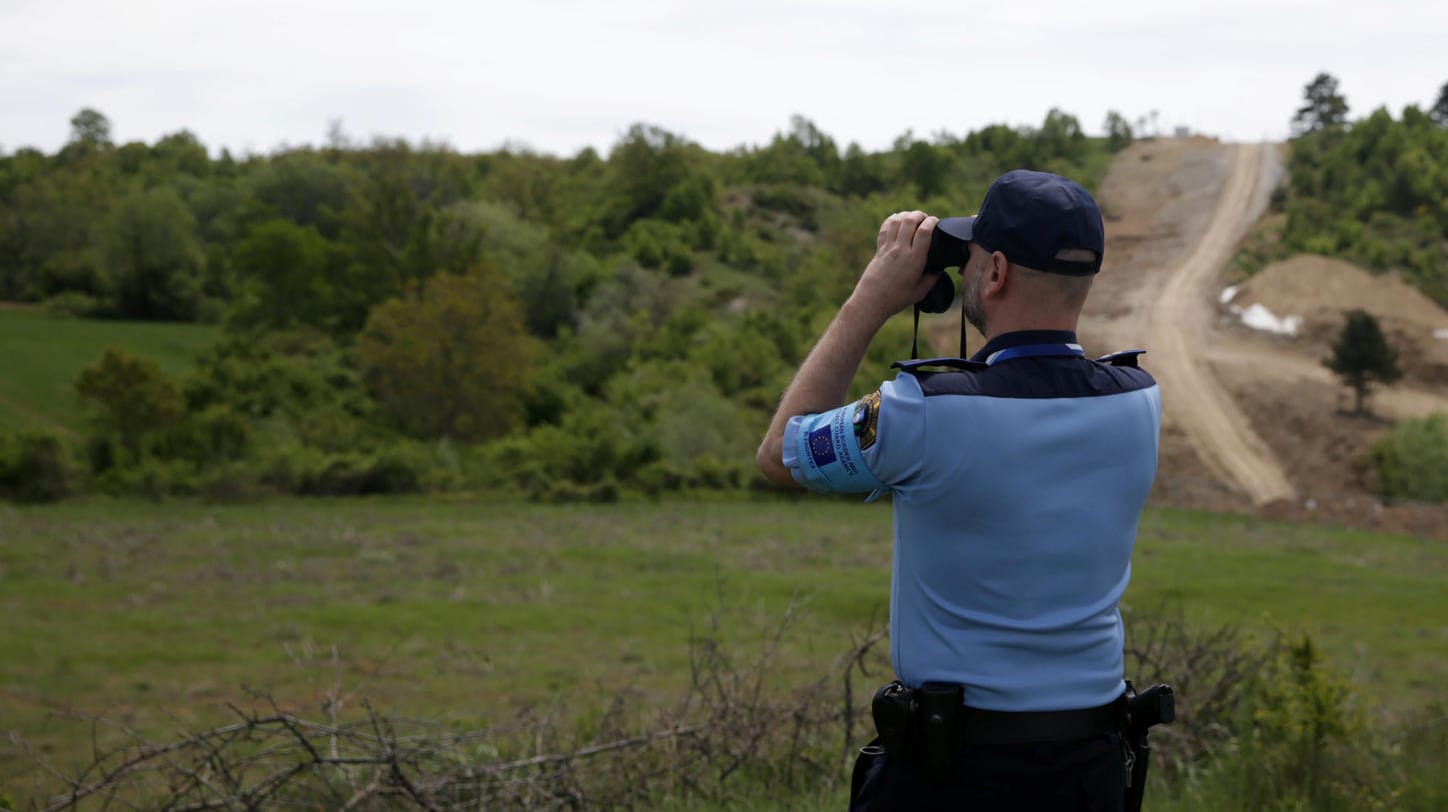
(867, 416)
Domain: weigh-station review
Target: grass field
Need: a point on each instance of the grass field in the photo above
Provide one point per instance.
(155, 614)
(41, 355)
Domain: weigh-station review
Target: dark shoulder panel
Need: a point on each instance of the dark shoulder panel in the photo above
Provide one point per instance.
(1038, 378)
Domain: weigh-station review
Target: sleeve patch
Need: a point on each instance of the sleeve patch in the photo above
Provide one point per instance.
(867, 418)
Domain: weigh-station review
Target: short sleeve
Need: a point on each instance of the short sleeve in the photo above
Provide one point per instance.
(862, 447)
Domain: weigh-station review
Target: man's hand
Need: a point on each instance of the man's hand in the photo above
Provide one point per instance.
(895, 277)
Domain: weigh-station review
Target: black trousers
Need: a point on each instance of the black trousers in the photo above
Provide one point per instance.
(1086, 775)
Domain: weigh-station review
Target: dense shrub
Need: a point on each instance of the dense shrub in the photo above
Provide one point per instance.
(129, 400)
(1411, 460)
(75, 303)
(310, 472)
(35, 467)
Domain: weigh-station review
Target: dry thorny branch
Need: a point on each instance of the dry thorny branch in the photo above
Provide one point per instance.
(733, 720)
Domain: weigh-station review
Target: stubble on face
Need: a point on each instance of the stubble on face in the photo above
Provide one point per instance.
(970, 292)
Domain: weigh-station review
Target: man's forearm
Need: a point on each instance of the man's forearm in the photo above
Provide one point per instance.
(823, 380)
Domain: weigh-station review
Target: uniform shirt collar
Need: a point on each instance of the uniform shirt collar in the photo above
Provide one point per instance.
(1022, 338)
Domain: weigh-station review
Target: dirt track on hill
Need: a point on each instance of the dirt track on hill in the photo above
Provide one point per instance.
(1192, 397)
(1252, 421)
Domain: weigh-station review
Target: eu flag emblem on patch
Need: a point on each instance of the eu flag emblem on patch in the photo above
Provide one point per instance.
(821, 447)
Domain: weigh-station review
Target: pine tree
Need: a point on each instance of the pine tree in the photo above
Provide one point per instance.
(1439, 111)
(1362, 355)
(1324, 107)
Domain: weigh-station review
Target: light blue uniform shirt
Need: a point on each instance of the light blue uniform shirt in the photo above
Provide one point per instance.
(1018, 485)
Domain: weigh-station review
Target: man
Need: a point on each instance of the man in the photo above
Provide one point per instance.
(1018, 480)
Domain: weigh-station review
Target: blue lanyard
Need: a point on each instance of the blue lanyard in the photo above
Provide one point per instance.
(1034, 351)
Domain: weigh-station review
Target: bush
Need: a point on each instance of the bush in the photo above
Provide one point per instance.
(35, 467)
(151, 477)
(309, 472)
(1412, 460)
(75, 303)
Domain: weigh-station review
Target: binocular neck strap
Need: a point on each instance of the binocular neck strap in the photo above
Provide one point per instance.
(915, 335)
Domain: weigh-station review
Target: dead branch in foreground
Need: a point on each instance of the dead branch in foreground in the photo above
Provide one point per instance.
(732, 721)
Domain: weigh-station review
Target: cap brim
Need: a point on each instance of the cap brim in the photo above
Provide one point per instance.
(961, 228)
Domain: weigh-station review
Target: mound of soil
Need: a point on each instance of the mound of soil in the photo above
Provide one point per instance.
(1320, 290)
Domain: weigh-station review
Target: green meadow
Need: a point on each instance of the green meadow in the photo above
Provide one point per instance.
(44, 353)
(155, 615)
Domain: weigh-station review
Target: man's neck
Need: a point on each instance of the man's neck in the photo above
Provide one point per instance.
(1000, 326)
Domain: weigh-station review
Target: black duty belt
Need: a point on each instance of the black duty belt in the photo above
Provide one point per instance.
(930, 723)
(979, 726)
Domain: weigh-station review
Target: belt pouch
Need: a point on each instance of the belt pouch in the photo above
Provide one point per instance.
(939, 709)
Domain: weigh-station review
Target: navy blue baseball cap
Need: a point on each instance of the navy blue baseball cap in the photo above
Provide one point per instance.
(1031, 217)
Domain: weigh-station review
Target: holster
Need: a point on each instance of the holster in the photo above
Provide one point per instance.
(1154, 706)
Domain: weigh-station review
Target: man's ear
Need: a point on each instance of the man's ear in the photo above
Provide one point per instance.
(1000, 271)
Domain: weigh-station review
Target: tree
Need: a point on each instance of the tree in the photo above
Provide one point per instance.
(288, 276)
(1325, 108)
(1439, 111)
(451, 358)
(1118, 131)
(1060, 136)
(645, 165)
(91, 128)
(149, 249)
(129, 398)
(1362, 355)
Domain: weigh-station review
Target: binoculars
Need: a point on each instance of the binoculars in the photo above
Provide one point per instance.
(946, 251)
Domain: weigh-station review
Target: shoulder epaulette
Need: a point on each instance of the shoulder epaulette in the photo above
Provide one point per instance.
(1125, 358)
(917, 365)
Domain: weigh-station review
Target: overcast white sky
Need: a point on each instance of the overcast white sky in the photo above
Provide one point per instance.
(559, 75)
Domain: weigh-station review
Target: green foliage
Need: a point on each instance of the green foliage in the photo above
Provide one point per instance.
(1118, 131)
(35, 467)
(647, 166)
(451, 359)
(130, 400)
(307, 471)
(288, 275)
(1323, 109)
(1361, 356)
(1303, 711)
(90, 127)
(1439, 111)
(75, 303)
(1376, 194)
(1411, 460)
(688, 278)
(150, 254)
(1302, 743)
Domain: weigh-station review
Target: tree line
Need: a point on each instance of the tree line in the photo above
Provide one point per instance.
(403, 316)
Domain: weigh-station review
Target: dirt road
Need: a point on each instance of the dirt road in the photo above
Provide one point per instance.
(1179, 319)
